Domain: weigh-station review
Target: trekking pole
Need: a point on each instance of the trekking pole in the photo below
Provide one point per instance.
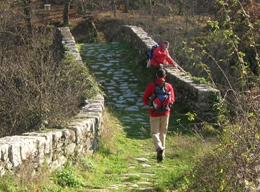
(178, 66)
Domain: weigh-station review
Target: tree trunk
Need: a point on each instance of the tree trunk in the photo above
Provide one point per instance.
(181, 7)
(194, 7)
(91, 25)
(126, 6)
(66, 12)
(82, 8)
(150, 7)
(115, 8)
(27, 11)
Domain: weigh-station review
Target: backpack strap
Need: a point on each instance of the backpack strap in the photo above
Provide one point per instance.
(156, 85)
(163, 84)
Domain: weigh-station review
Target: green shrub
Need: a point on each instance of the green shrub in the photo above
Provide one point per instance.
(232, 166)
(66, 178)
(88, 164)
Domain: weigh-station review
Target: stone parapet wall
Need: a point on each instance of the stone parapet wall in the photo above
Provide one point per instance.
(69, 42)
(54, 147)
(198, 98)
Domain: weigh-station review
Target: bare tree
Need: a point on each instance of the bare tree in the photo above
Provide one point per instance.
(114, 8)
(27, 11)
(181, 7)
(126, 9)
(150, 7)
(37, 90)
(81, 6)
(66, 12)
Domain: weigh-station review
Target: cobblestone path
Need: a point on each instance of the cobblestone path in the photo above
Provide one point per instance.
(124, 93)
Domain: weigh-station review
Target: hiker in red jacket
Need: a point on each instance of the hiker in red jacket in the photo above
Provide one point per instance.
(160, 56)
(159, 120)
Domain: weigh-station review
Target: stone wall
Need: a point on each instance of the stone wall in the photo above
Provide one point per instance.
(198, 98)
(53, 148)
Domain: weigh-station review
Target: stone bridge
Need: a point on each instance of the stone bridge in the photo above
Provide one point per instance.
(81, 135)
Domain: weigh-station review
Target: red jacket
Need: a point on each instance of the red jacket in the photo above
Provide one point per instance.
(159, 56)
(150, 90)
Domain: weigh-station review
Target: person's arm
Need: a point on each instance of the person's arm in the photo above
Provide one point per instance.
(169, 59)
(148, 92)
(172, 93)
